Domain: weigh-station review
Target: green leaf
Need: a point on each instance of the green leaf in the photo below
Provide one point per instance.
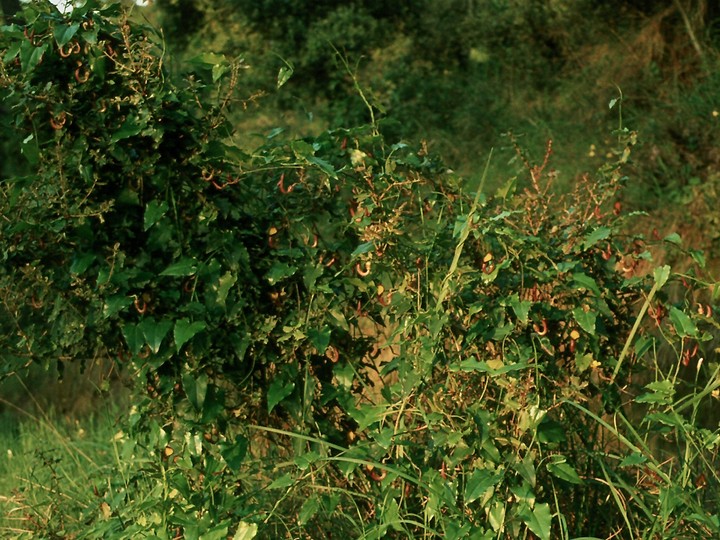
(601, 233)
(362, 248)
(496, 516)
(659, 392)
(154, 332)
(284, 481)
(633, 459)
(305, 460)
(218, 70)
(308, 510)
(114, 304)
(520, 307)
(130, 128)
(279, 271)
(153, 212)
(320, 339)
(585, 319)
(218, 532)
(683, 324)
(560, 468)
(63, 34)
(583, 361)
(208, 60)
(699, 257)
(583, 281)
(673, 238)
(81, 262)
(245, 531)
(391, 515)
(306, 152)
(12, 51)
(30, 55)
(366, 415)
(539, 520)
(278, 390)
(661, 275)
(323, 165)
(526, 469)
(195, 387)
(480, 482)
(311, 274)
(30, 150)
(184, 267)
(133, 337)
(667, 419)
(471, 364)
(186, 330)
(223, 286)
(234, 453)
(550, 431)
(284, 75)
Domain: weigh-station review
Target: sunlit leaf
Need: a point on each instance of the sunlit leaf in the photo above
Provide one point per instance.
(633, 459)
(661, 275)
(30, 55)
(585, 319)
(223, 286)
(560, 468)
(480, 482)
(583, 281)
(673, 238)
(659, 392)
(538, 520)
(245, 531)
(520, 307)
(284, 75)
(683, 324)
(367, 247)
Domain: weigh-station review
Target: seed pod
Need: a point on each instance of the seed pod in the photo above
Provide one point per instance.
(542, 328)
(58, 121)
(366, 271)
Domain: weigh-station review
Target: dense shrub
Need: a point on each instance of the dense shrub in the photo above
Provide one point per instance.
(335, 333)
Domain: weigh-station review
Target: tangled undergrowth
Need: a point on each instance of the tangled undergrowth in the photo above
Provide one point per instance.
(332, 334)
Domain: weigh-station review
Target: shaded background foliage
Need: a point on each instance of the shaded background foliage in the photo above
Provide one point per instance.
(461, 73)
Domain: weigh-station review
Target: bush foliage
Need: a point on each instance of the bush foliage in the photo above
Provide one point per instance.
(335, 333)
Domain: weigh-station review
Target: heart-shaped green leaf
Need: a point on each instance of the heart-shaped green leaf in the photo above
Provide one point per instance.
(154, 332)
(186, 330)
